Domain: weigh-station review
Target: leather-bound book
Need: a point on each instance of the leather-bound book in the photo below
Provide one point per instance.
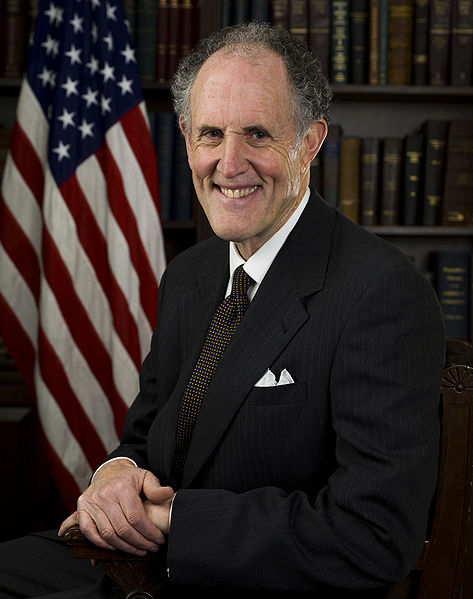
(373, 53)
(461, 60)
(383, 37)
(146, 38)
(369, 180)
(401, 21)
(434, 176)
(319, 32)
(439, 41)
(331, 165)
(421, 42)
(349, 192)
(13, 40)
(359, 36)
(299, 20)
(458, 190)
(280, 13)
(413, 178)
(391, 180)
(452, 284)
(340, 41)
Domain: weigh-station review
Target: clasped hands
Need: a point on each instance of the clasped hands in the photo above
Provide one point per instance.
(124, 508)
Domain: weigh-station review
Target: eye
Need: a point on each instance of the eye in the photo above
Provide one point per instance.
(259, 135)
(212, 134)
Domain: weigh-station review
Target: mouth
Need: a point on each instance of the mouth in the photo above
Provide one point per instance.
(242, 192)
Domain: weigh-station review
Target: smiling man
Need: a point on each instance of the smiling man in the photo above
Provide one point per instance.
(285, 436)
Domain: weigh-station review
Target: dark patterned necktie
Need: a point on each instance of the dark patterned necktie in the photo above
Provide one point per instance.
(222, 327)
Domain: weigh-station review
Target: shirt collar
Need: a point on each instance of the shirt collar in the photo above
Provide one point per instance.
(259, 263)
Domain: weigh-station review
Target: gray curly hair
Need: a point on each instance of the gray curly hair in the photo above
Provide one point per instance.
(311, 93)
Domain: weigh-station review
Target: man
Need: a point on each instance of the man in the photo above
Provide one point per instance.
(311, 458)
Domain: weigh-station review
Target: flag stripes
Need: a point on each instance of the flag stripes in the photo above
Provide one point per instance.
(81, 247)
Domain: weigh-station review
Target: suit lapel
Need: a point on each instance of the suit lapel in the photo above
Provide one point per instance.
(273, 318)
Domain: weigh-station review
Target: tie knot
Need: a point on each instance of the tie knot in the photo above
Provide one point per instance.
(241, 281)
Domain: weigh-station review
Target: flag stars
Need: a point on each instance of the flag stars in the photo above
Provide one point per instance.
(93, 65)
(86, 129)
(129, 54)
(105, 105)
(54, 13)
(51, 45)
(107, 72)
(90, 97)
(74, 54)
(125, 85)
(111, 11)
(62, 150)
(46, 77)
(66, 118)
(76, 22)
(70, 86)
(108, 39)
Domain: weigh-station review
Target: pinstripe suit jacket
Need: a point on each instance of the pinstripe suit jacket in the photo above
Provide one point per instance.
(321, 484)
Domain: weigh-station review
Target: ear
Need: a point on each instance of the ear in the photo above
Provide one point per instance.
(313, 140)
(186, 135)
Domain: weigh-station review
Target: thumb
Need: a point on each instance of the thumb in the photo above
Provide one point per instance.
(153, 491)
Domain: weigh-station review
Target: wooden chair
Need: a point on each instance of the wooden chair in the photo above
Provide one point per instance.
(444, 569)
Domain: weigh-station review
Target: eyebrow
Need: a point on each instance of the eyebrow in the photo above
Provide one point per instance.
(245, 130)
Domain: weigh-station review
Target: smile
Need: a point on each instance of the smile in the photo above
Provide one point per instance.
(238, 193)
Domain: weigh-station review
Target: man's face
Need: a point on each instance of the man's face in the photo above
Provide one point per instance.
(248, 174)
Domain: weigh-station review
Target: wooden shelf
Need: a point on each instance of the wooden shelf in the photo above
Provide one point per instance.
(411, 93)
(420, 231)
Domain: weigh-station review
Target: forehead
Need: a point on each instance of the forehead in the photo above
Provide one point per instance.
(236, 85)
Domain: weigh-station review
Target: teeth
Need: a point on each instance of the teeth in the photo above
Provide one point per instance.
(238, 193)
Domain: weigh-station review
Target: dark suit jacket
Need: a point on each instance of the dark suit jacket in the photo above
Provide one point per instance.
(322, 483)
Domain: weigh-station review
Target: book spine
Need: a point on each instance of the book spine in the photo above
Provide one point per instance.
(227, 17)
(340, 41)
(421, 42)
(401, 21)
(461, 60)
(260, 10)
(146, 38)
(435, 151)
(319, 32)
(299, 20)
(241, 11)
(129, 7)
(369, 180)
(13, 42)
(373, 58)
(181, 209)
(162, 41)
(458, 191)
(413, 179)
(349, 192)
(331, 165)
(174, 36)
(439, 41)
(391, 180)
(359, 41)
(383, 37)
(189, 25)
(280, 13)
(453, 290)
(164, 141)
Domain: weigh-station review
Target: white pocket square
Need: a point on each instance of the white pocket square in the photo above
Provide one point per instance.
(269, 380)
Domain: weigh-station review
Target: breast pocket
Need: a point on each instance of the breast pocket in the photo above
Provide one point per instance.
(278, 396)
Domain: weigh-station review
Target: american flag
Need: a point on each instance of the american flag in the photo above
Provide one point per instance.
(81, 249)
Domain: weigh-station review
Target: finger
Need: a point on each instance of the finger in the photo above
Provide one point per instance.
(110, 528)
(72, 520)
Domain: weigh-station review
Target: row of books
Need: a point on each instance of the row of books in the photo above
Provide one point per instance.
(451, 277)
(399, 42)
(396, 42)
(424, 178)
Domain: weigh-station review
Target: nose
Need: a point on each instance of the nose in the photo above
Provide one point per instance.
(232, 161)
